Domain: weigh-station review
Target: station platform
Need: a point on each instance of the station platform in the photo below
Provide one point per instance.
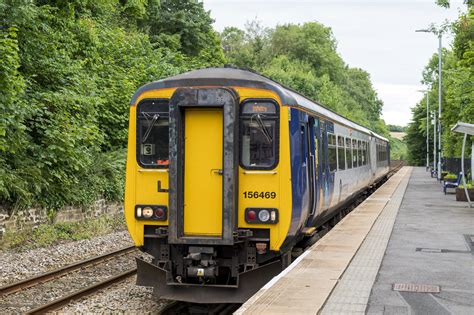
(406, 249)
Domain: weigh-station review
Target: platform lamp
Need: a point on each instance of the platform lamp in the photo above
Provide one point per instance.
(427, 128)
(439, 33)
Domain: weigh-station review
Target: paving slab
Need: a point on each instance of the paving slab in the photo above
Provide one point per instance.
(352, 291)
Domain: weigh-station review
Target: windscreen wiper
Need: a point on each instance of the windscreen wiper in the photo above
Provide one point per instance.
(152, 124)
(263, 129)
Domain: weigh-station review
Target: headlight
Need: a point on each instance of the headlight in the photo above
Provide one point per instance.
(261, 215)
(264, 215)
(151, 212)
(147, 212)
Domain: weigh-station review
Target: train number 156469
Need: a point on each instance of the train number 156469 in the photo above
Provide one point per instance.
(260, 194)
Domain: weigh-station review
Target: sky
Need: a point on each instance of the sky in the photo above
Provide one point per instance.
(377, 36)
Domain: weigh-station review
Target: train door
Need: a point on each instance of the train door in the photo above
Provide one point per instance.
(312, 161)
(323, 167)
(308, 165)
(372, 156)
(203, 171)
(203, 166)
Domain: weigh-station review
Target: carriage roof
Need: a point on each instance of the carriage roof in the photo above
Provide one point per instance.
(239, 77)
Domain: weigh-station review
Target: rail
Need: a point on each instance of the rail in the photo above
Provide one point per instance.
(49, 277)
(65, 300)
(23, 284)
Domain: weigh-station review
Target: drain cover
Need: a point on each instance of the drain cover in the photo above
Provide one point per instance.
(419, 288)
(429, 250)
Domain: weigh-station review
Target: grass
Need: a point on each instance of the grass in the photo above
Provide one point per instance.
(50, 234)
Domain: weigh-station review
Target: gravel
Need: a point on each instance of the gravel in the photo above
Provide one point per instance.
(123, 297)
(16, 265)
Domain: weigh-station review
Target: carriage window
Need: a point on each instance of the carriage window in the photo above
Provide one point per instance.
(348, 153)
(359, 153)
(341, 155)
(258, 135)
(332, 153)
(152, 134)
(362, 144)
(354, 153)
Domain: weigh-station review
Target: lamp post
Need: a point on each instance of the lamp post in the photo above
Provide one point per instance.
(438, 32)
(427, 129)
(434, 140)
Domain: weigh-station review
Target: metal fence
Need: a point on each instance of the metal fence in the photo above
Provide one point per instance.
(453, 165)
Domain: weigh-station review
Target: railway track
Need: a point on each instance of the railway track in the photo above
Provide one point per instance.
(57, 288)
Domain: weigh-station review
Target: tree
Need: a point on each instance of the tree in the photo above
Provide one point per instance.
(458, 92)
(304, 57)
(68, 71)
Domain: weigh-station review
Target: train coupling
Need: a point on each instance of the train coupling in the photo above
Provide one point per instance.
(201, 262)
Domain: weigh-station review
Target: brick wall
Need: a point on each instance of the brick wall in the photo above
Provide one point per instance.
(20, 219)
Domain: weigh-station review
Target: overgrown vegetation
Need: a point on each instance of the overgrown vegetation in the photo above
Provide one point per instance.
(398, 149)
(67, 73)
(49, 234)
(457, 93)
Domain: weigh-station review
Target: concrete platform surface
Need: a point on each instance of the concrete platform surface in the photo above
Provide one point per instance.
(304, 287)
(430, 245)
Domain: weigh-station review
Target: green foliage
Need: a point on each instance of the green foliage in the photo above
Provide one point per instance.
(49, 234)
(68, 71)
(443, 3)
(457, 93)
(398, 149)
(450, 176)
(396, 128)
(304, 57)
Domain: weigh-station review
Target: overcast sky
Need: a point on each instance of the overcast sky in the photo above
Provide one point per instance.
(375, 35)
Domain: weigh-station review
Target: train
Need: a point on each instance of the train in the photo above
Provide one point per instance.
(228, 172)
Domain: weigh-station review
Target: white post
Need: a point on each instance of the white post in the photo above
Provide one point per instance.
(462, 169)
(427, 132)
(434, 141)
(472, 162)
(440, 86)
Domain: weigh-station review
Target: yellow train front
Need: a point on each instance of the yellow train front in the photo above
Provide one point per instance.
(224, 178)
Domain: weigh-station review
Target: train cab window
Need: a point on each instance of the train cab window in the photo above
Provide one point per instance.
(153, 133)
(354, 153)
(332, 153)
(348, 153)
(341, 153)
(258, 135)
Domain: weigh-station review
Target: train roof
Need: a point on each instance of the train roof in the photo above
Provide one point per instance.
(239, 77)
